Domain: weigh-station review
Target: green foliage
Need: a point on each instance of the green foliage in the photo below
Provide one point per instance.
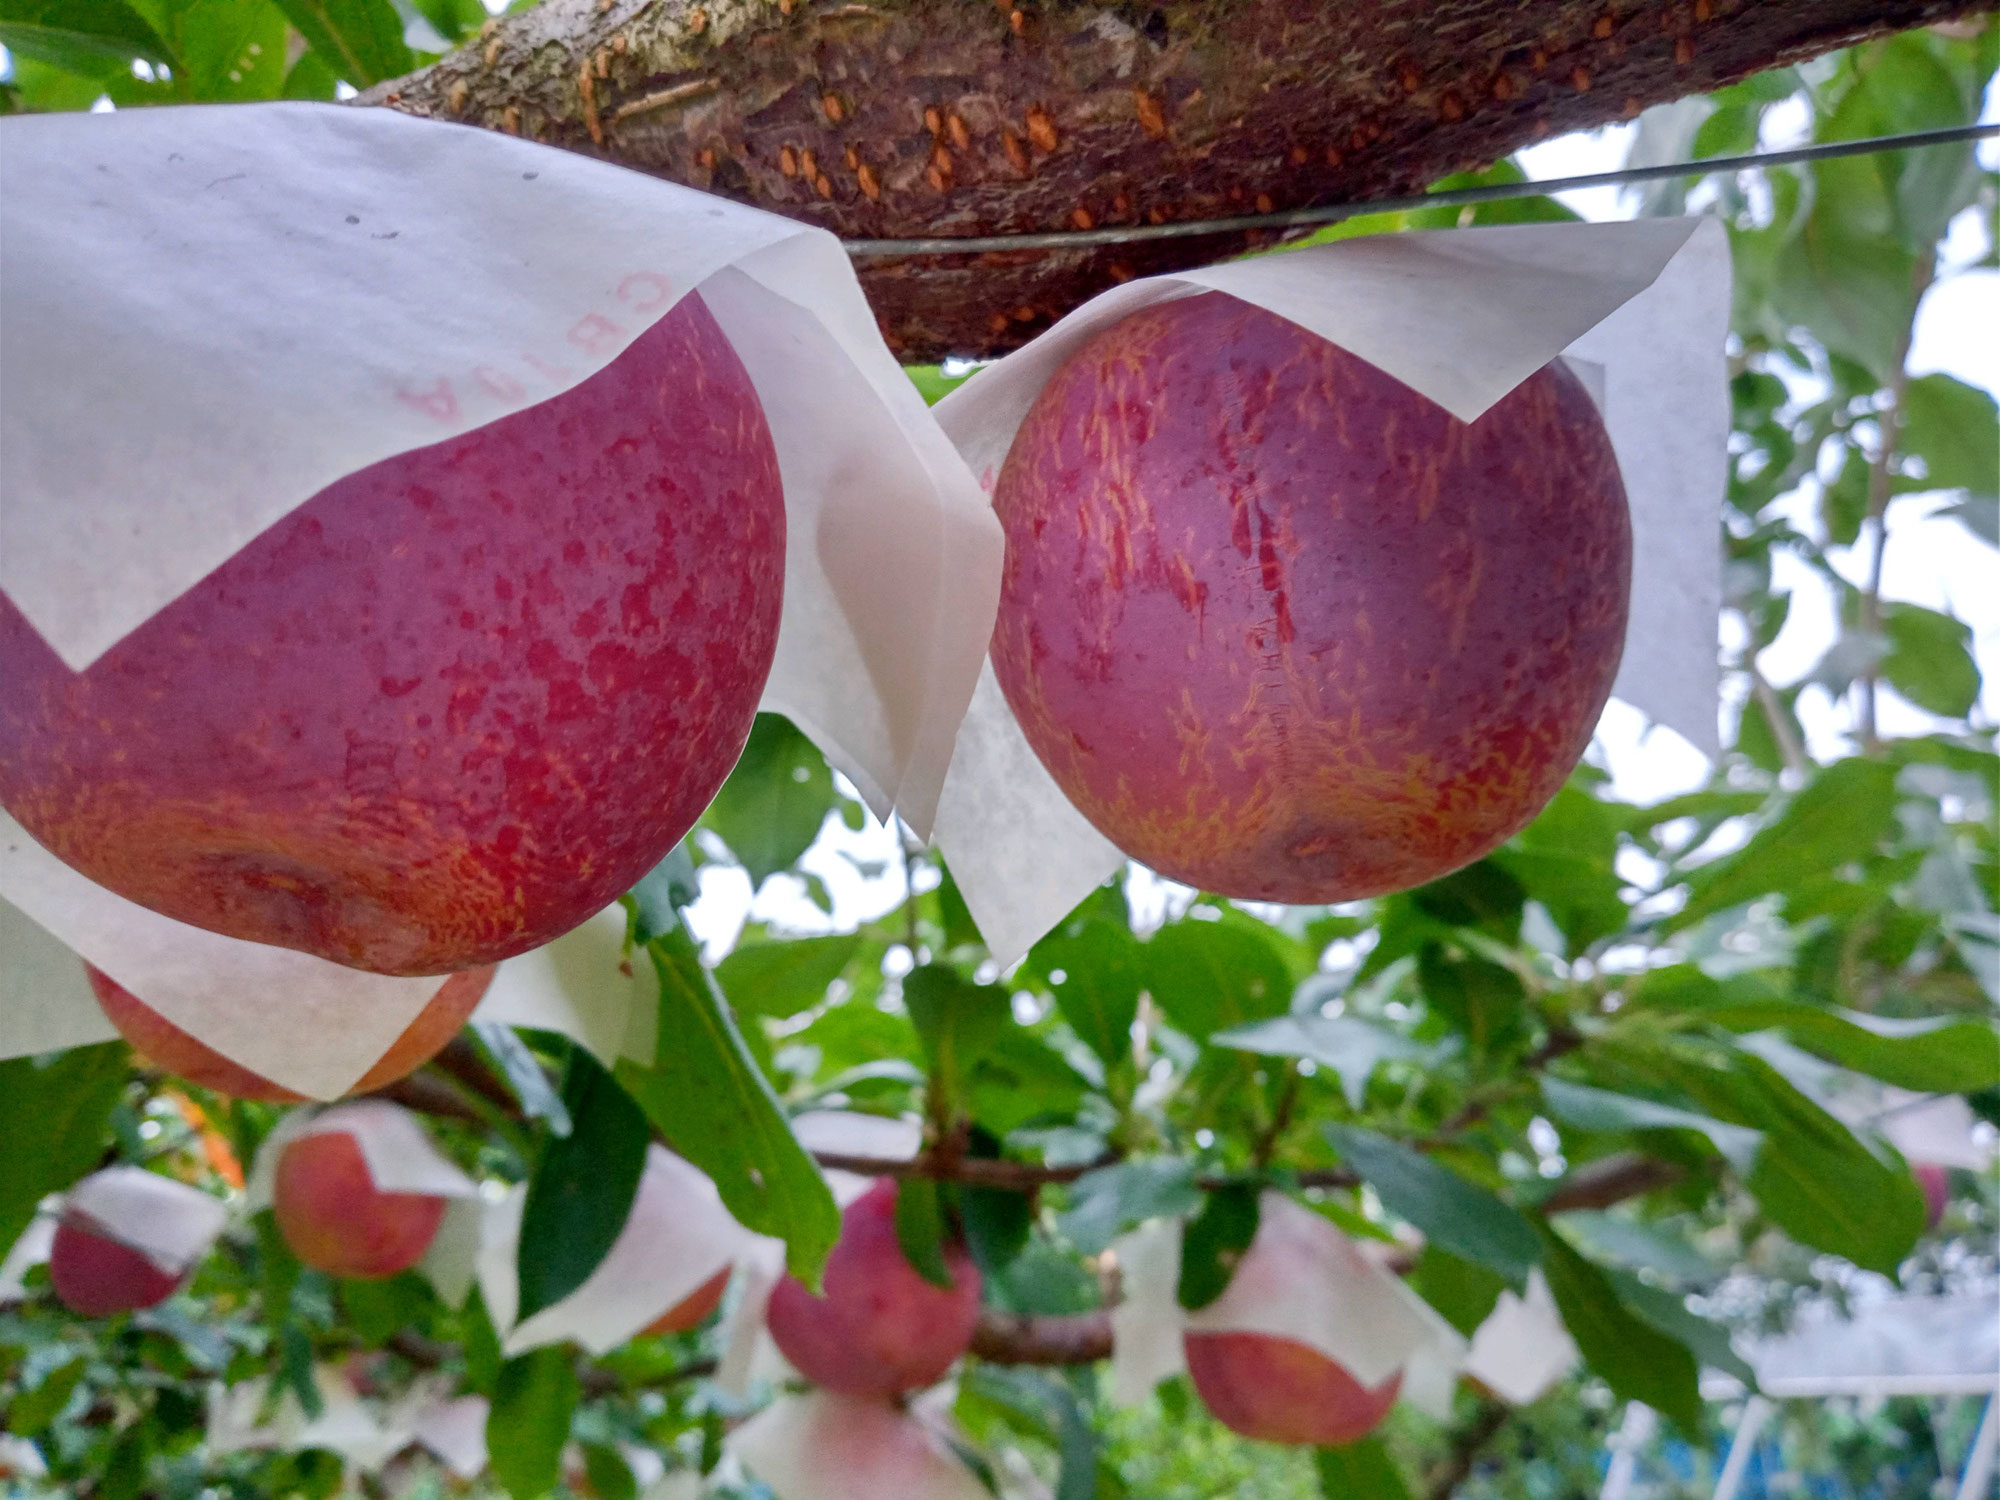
(534, 1401)
(1453, 1214)
(58, 1111)
(583, 1186)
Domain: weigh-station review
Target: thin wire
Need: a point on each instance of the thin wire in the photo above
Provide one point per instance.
(1333, 213)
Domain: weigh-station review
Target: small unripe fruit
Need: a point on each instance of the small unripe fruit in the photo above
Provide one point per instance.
(879, 1329)
(454, 704)
(693, 1309)
(1280, 1391)
(95, 1274)
(1284, 629)
(336, 1220)
(166, 1046)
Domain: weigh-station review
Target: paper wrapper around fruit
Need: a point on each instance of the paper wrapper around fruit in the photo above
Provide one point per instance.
(354, 284)
(1522, 1349)
(1302, 1280)
(244, 1418)
(399, 1155)
(1462, 317)
(824, 1446)
(676, 1238)
(168, 1222)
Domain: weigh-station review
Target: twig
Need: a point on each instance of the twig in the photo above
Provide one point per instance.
(1787, 737)
(1609, 1180)
(1466, 1445)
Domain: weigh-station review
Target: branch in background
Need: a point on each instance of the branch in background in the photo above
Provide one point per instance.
(1787, 738)
(1010, 1339)
(1467, 1443)
(1609, 1180)
(1881, 477)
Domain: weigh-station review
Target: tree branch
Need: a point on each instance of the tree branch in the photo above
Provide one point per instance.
(1609, 1180)
(902, 118)
(1466, 1445)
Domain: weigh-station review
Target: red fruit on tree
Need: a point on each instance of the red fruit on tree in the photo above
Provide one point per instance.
(166, 1046)
(1936, 1183)
(451, 706)
(880, 1328)
(693, 1309)
(336, 1220)
(1282, 628)
(1281, 1391)
(95, 1274)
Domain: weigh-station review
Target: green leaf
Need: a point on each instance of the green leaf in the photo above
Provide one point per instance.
(361, 40)
(1214, 1241)
(1841, 817)
(610, 1476)
(1566, 858)
(1360, 1470)
(660, 894)
(997, 1225)
(1955, 429)
(1453, 1214)
(523, 1072)
(932, 383)
(1463, 1293)
(55, 1112)
(1602, 1110)
(714, 1106)
(1208, 975)
(533, 1402)
(772, 806)
(1637, 1360)
(80, 36)
(920, 1229)
(1350, 1046)
(1022, 1081)
(582, 1189)
(1102, 969)
(1628, 1241)
(781, 979)
(1482, 1000)
(958, 1021)
(30, 1412)
(1668, 1313)
(229, 51)
(1929, 660)
(1107, 1202)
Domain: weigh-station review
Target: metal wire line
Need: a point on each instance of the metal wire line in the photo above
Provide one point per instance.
(1333, 213)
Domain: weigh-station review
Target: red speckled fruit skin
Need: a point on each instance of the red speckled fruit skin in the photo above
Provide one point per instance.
(453, 705)
(331, 1214)
(95, 1275)
(1281, 1391)
(880, 1329)
(166, 1046)
(1284, 629)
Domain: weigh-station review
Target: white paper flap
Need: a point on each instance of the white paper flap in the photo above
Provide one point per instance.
(168, 1222)
(824, 1446)
(579, 985)
(399, 1155)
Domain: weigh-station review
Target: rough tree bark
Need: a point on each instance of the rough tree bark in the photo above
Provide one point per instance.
(903, 118)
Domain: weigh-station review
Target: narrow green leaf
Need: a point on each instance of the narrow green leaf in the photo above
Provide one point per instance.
(1361, 1470)
(1214, 1241)
(55, 1113)
(707, 1096)
(533, 1401)
(1482, 1000)
(523, 1072)
(1453, 1214)
(1463, 1293)
(1107, 1202)
(1352, 1047)
(1635, 1359)
(997, 1225)
(361, 40)
(780, 979)
(80, 36)
(1602, 1110)
(1929, 660)
(660, 894)
(920, 1229)
(1842, 816)
(1668, 1313)
(582, 1188)
(1936, 1054)
(772, 806)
